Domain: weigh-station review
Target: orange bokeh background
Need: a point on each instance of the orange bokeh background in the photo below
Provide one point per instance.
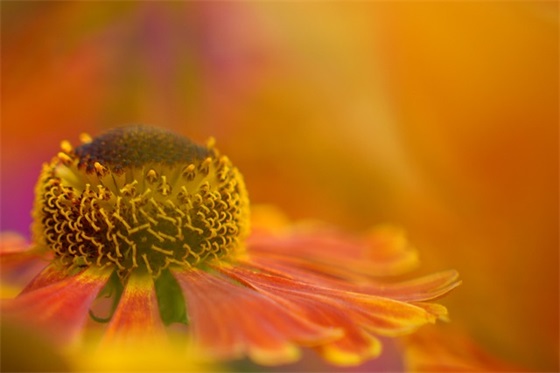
(441, 117)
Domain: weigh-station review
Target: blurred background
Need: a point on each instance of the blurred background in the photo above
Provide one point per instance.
(441, 117)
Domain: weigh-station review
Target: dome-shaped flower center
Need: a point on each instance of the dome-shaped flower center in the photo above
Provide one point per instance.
(140, 198)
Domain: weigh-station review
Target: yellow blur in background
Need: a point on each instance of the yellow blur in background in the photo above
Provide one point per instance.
(441, 117)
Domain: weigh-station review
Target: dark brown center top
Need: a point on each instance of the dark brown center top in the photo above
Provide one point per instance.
(136, 146)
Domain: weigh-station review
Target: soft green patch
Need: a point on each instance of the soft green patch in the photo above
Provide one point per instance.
(172, 306)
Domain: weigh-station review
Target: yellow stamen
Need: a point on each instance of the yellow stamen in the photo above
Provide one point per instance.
(85, 138)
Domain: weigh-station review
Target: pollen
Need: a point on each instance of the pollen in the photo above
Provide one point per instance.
(140, 198)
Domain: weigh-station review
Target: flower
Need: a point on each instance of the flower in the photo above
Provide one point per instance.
(145, 231)
(469, 166)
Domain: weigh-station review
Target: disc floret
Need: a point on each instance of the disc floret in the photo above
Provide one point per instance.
(140, 198)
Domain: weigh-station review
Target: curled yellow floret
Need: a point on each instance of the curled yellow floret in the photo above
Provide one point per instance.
(140, 198)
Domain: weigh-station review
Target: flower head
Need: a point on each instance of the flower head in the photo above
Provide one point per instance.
(140, 199)
(145, 230)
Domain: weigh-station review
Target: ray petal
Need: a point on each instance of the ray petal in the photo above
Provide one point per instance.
(354, 312)
(382, 251)
(230, 320)
(60, 306)
(424, 288)
(421, 289)
(11, 242)
(136, 318)
(354, 349)
(18, 262)
(48, 276)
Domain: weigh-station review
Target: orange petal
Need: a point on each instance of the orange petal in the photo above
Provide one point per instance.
(380, 314)
(437, 310)
(46, 277)
(389, 251)
(136, 318)
(303, 268)
(18, 263)
(335, 308)
(352, 350)
(424, 288)
(384, 251)
(60, 307)
(230, 320)
(11, 242)
(420, 289)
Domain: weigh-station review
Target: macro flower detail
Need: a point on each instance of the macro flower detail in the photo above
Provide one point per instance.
(144, 230)
(140, 199)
